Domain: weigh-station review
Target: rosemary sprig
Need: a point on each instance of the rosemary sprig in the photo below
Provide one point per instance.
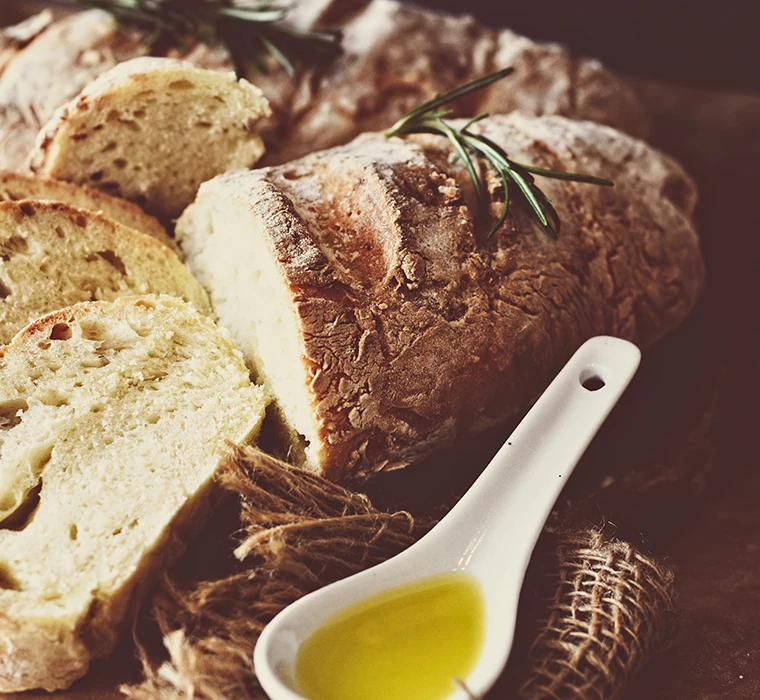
(251, 32)
(429, 118)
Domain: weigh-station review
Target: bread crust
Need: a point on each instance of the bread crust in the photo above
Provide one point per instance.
(397, 56)
(417, 328)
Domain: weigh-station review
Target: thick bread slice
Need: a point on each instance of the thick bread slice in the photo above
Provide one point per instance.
(394, 325)
(118, 415)
(152, 130)
(53, 255)
(15, 186)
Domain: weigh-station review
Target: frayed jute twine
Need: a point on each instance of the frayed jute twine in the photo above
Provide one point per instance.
(605, 606)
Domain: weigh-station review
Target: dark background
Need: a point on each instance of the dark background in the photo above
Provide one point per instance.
(704, 43)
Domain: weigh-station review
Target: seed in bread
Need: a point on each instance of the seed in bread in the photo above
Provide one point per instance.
(113, 419)
(152, 130)
(53, 255)
(17, 186)
(393, 325)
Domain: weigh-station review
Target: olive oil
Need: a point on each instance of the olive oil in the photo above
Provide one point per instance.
(410, 642)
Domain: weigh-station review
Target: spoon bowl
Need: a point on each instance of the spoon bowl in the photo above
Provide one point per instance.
(491, 532)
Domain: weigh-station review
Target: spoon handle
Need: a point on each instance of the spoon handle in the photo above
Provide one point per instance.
(508, 505)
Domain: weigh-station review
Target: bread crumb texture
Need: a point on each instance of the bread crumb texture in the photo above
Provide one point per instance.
(53, 255)
(152, 130)
(113, 420)
(18, 186)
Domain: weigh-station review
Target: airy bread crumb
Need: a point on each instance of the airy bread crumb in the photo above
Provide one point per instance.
(113, 421)
(18, 186)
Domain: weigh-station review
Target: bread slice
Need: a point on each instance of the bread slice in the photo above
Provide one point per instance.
(393, 325)
(16, 186)
(152, 130)
(53, 255)
(113, 420)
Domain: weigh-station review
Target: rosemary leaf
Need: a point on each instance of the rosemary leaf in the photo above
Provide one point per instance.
(574, 177)
(429, 118)
(464, 154)
(505, 208)
(279, 56)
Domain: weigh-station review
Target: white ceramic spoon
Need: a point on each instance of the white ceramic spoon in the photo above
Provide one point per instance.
(490, 533)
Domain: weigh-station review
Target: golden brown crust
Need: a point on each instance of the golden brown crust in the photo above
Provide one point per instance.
(418, 329)
(397, 56)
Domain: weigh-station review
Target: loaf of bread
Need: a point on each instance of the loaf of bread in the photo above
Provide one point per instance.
(17, 186)
(53, 255)
(393, 324)
(152, 130)
(113, 420)
(395, 56)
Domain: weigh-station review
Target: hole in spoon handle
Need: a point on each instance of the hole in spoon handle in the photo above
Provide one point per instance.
(519, 487)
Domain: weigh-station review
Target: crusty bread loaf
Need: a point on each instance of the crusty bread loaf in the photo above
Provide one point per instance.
(396, 56)
(113, 420)
(17, 186)
(53, 255)
(392, 325)
(152, 130)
